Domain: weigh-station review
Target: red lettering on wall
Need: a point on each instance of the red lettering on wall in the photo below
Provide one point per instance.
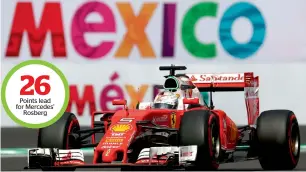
(24, 21)
(80, 102)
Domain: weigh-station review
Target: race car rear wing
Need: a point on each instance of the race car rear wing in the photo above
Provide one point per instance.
(246, 82)
(223, 82)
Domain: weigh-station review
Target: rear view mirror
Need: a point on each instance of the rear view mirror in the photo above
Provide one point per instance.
(119, 102)
(191, 101)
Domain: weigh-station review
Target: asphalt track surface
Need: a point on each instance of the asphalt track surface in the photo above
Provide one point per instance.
(17, 164)
(25, 138)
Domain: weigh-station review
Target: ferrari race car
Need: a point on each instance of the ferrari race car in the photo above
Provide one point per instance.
(178, 130)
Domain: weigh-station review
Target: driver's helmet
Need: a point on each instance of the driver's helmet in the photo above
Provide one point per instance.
(166, 100)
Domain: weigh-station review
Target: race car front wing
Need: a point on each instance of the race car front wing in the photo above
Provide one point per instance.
(58, 159)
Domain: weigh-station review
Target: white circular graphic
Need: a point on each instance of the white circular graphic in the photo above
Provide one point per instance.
(35, 94)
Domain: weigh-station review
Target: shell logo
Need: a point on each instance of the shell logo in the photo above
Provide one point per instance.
(121, 127)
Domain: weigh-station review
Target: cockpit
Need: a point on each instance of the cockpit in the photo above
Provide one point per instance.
(175, 88)
(166, 100)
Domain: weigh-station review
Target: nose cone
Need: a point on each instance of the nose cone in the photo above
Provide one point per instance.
(109, 155)
(117, 139)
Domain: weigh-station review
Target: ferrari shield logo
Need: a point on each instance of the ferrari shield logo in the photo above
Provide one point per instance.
(173, 119)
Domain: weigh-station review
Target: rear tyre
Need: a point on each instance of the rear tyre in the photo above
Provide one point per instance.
(278, 137)
(201, 128)
(62, 134)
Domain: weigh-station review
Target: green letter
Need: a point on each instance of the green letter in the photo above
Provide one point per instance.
(192, 44)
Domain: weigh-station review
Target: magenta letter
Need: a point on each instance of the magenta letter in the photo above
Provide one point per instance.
(79, 27)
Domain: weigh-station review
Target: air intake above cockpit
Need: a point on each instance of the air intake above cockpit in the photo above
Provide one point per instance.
(171, 83)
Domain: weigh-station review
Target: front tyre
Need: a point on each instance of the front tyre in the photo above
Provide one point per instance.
(62, 134)
(200, 128)
(279, 140)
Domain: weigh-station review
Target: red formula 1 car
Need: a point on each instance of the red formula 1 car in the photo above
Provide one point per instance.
(178, 130)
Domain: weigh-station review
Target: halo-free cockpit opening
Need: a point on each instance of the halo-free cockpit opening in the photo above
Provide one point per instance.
(166, 100)
(175, 88)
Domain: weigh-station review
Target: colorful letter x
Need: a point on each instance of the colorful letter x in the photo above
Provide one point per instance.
(135, 26)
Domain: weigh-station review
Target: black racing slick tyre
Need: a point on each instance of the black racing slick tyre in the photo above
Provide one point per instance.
(278, 137)
(201, 128)
(61, 134)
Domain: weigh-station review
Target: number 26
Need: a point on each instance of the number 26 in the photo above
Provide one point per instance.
(25, 90)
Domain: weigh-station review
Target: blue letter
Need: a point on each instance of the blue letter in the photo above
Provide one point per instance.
(249, 11)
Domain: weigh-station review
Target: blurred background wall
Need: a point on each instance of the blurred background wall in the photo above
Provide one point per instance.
(112, 49)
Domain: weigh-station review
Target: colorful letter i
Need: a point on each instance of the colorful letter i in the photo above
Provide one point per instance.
(169, 30)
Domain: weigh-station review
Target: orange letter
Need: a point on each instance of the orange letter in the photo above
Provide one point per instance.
(136, 96)
(136, 30)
